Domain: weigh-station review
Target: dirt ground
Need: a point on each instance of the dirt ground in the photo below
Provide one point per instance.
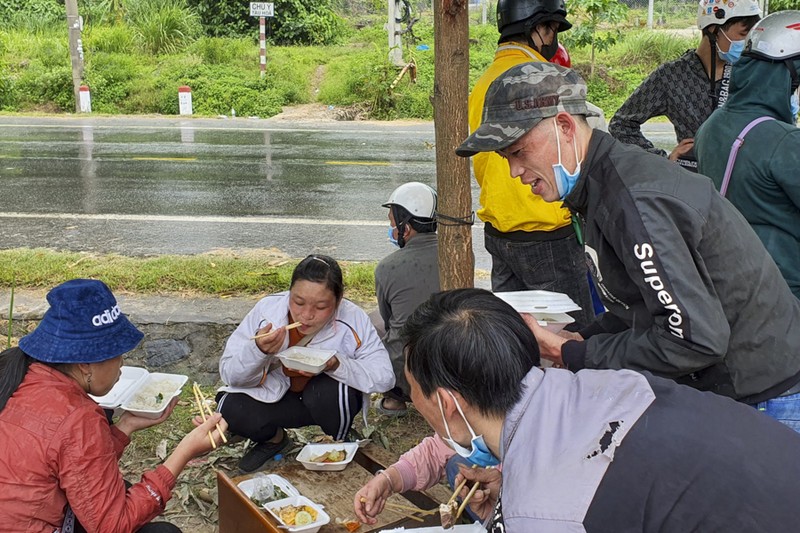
(193, 506)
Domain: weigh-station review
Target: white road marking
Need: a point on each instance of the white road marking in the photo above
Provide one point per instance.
(214, 219)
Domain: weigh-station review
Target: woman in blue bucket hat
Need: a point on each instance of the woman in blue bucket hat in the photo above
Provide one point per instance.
(58, 454)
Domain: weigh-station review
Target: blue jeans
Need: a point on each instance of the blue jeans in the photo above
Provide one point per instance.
(451, 470)
(784, 409)
(558, 265)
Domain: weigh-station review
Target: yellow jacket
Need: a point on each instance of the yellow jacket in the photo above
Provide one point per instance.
(506, 203)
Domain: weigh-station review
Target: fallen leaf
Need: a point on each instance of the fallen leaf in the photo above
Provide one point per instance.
(161, 449)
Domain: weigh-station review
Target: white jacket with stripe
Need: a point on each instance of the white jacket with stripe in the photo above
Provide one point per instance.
(363, 361)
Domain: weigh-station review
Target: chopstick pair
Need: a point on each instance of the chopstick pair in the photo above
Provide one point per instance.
(466, 500)
(270, 332)
(401, 507)
(201, 403)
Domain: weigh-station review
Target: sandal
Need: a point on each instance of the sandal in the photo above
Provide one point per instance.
(378, 406)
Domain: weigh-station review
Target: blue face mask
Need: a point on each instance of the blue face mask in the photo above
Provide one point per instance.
(479, 453)
(391, 236)
(564, 180)
(734, 50)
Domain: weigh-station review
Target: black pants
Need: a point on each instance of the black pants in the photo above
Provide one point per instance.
(325, 402)
(153, 527)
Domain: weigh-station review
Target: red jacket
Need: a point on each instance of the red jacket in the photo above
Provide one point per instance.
(57, 448)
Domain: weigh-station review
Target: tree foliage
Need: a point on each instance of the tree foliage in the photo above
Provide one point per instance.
(598, 25)
(295, 21)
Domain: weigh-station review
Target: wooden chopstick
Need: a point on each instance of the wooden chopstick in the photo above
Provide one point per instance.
(203, 415)
(270, 332)
(199, 392)
(458, 489)
(401, 507)
(466, 500)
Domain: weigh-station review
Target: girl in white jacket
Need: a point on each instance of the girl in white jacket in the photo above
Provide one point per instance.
(262, 397)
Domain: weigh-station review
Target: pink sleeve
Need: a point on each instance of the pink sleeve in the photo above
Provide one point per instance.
(423, 465)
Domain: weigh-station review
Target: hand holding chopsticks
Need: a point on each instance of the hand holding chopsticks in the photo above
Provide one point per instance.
(203, 406)
(466, 500)
(272, 331)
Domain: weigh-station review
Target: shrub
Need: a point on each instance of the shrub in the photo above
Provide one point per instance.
(111, 77)
(38, 85)
(652, 48)
(110, 39)
(33, 16)
(164, 26)
(8, 94)
(219, 51)
(307, 22)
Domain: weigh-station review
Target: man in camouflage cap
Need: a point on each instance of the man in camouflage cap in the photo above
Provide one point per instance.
(691, 292)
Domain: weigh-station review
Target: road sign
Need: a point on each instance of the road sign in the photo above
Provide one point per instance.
(262, 9)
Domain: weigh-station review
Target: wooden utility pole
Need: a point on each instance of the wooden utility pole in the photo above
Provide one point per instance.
(75, 49)
(450, 93)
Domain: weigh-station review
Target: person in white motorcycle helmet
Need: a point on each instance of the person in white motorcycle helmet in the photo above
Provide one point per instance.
(688, 89)
(761, 180)
(406, 278)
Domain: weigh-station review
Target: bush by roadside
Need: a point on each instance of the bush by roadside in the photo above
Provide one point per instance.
(135, 67)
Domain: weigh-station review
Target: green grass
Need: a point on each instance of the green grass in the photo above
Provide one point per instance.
(220, 275)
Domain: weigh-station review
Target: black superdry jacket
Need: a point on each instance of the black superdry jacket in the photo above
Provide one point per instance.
(691, 292)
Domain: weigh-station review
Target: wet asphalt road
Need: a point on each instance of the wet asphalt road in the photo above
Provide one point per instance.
(142, 186)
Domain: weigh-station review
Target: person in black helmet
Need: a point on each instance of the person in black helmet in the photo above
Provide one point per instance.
(532, 243)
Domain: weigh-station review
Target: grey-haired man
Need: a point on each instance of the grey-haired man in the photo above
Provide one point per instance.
(691, 292)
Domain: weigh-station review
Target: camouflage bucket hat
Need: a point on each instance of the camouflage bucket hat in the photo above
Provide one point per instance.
(519, 99)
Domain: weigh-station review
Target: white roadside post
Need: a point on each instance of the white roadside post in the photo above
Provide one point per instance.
(393, 29)
(185, 100)
(262, 10)
(85, 99)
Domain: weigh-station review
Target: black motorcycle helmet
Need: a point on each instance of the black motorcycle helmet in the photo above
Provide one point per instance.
(521, 16)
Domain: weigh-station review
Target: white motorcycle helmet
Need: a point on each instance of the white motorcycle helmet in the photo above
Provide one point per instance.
(418, 203)
(719, 12)
(776, 38)
(416, 198)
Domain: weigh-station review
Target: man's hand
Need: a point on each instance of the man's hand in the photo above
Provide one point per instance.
(485, 498)
(549, 343)
(683, 147)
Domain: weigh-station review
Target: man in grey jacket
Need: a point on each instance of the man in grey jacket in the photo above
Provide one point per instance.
(691, 292)
(598, 450)
(406, 278)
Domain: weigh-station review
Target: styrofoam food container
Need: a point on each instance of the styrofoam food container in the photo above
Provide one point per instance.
(248, 486)
(554, 322)
(307, 359)
(313, 527)
(176, 382)
(315, 450)
(130, 379)
(539, 301)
